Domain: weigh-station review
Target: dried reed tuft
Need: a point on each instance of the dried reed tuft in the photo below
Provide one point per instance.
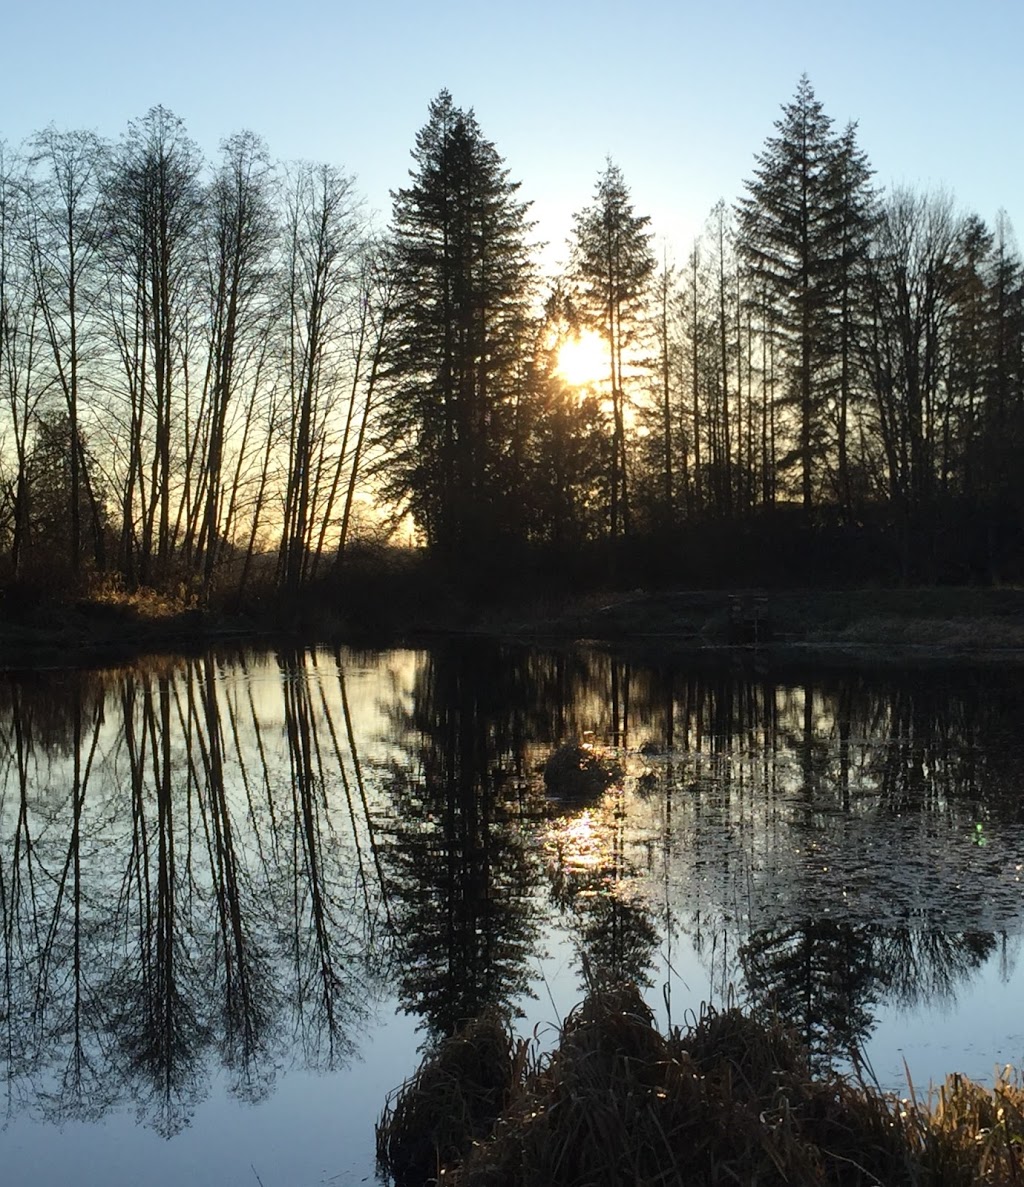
(453, 1099)
(729, 1100)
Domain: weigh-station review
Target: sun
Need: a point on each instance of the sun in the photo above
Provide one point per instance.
(583, 360)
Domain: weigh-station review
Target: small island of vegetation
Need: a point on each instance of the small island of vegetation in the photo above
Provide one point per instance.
(728, 1099)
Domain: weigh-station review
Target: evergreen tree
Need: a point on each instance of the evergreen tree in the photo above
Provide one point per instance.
(854, 216)
(800, 228)
(461, 337)
(613, 264)
(55, 470)
(567, 455)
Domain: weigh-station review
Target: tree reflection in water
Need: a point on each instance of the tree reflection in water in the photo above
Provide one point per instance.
(461, 871)
(175, 886)
(596, 883)
(229, 862)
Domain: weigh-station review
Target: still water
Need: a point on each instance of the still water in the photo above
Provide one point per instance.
(240, 894)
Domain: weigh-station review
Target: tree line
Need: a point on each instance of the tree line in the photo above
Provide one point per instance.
(215, 374)
(187, 358)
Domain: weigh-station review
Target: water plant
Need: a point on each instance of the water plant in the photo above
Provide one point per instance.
(578, 771)
(728, 1099)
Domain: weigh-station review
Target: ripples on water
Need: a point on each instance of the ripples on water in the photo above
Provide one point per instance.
(238, 893)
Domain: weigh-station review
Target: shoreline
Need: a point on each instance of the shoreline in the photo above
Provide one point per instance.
(858, 628)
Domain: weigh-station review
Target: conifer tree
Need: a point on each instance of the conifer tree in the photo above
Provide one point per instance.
(793, 237)
(854, 216)
(613, 264)
(460, 341)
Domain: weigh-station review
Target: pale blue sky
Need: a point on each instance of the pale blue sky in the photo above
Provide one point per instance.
(681, 95)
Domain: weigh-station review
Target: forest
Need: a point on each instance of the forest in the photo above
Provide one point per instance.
(220, 377)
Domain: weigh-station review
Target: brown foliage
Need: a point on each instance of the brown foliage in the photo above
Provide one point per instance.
(731, 1099)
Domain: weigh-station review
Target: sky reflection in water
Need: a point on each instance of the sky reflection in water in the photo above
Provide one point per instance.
(240, 893)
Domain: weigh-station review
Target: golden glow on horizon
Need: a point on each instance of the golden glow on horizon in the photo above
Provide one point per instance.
(583, 360)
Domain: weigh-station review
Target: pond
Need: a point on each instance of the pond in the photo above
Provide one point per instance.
(240, 894)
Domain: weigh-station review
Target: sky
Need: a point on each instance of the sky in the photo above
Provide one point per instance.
(680, 95)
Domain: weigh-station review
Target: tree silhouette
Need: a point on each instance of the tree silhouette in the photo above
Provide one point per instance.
(460, 335)
(802, 225)
(55, 470)
(153, 216)
(68, 206)
(612, 266)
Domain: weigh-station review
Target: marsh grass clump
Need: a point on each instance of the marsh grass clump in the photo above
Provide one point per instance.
(577, 771)
(728, 1100)
(452, 1100)
(619, 1103)
(969, 1134)
(759, 1051)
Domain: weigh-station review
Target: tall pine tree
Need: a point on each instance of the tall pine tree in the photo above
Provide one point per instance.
(803, 224)
(854, 216)
(613, 264)
(460, 343)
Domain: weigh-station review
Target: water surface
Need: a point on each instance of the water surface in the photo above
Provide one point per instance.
(241, 894)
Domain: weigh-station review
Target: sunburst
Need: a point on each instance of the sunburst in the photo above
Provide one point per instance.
(583, 360)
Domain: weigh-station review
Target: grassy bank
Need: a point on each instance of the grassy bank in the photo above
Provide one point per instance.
(400, 600)
(108, 627)
(860, 624)
(727, 1100)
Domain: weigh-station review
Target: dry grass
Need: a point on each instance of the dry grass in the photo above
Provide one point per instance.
(147, 605)
(966, 1133)
(454, 1099)
(959, 633)
(729, 1100)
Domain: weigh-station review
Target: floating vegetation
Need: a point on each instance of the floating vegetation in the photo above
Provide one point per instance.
(728, 1100)
(578, 771)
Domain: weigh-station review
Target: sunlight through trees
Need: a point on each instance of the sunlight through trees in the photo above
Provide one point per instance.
(247, 377)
